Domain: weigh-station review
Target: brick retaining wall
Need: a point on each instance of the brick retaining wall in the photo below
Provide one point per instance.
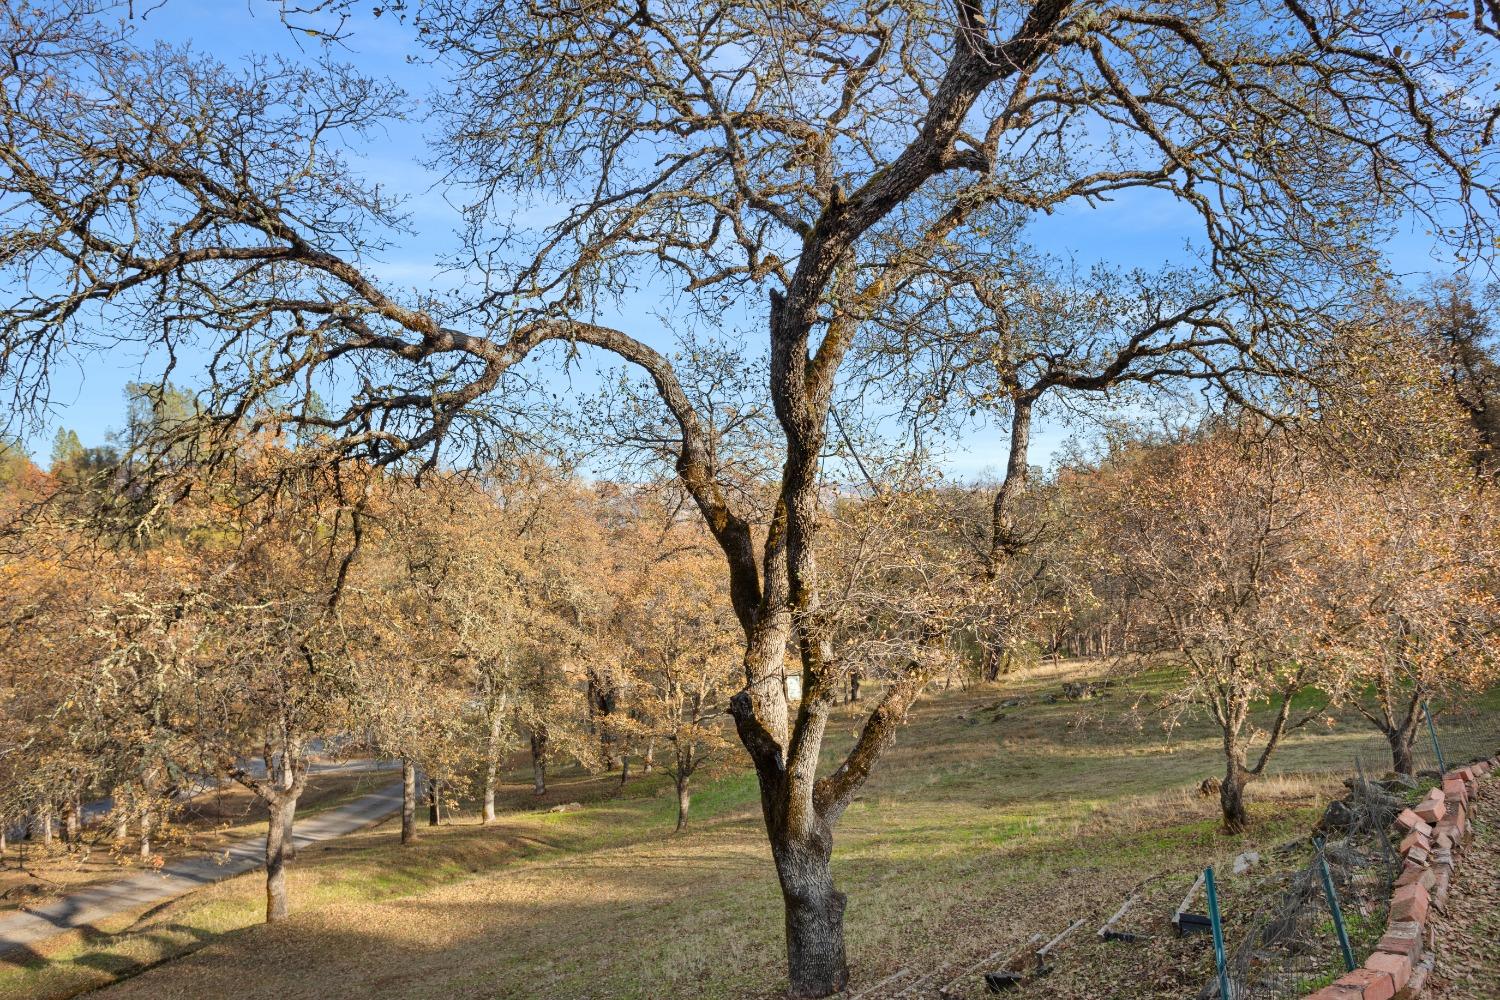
(1435, 832)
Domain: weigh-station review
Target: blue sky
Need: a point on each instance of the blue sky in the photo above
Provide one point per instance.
(1133, 231)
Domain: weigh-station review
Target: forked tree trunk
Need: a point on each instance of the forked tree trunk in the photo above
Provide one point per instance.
(603, 699)
(278, 829)
(408, 801)
(814, 909)
(1232, 797)
(539, 760)
(1402, 742)
(814, 916)
(1402, 734)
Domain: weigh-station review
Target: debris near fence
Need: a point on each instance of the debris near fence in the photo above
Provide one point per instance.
(1023, 966)
(1108, 932)
(1186, 921)
(1281, 941)
(1325, 911)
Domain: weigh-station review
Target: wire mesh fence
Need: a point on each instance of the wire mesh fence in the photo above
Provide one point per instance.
(1321, 920)
(1282, 914)
(1295, 944)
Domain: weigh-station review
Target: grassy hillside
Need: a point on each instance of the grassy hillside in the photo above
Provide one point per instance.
(986, 825)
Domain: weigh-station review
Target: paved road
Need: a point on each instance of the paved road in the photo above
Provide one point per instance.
(94, 811)
(134, 892)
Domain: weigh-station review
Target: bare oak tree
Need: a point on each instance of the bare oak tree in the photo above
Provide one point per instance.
(795, 161)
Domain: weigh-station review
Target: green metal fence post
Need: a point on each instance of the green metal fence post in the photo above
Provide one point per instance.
(1333, 906)
(1437, 747)
(1221, 961)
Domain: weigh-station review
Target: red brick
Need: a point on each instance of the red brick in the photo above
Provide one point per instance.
(1410, 903)
(1417, 856)
(1409, 820)
(1417, 876)
(1418, 981)
(1398, 967)
(1439, 888)
(1454, 788)
(1338, 992)
(1420, 839)
(1367, 984)
(1456, 819)
(1399, 940)
(1431, 810)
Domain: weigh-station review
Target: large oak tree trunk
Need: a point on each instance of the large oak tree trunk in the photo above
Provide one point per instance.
(814, 916)
(603, 701)
(408, 802)
(814, 909)
(278, 833)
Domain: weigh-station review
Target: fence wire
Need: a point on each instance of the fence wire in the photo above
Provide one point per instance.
(1292, 947)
